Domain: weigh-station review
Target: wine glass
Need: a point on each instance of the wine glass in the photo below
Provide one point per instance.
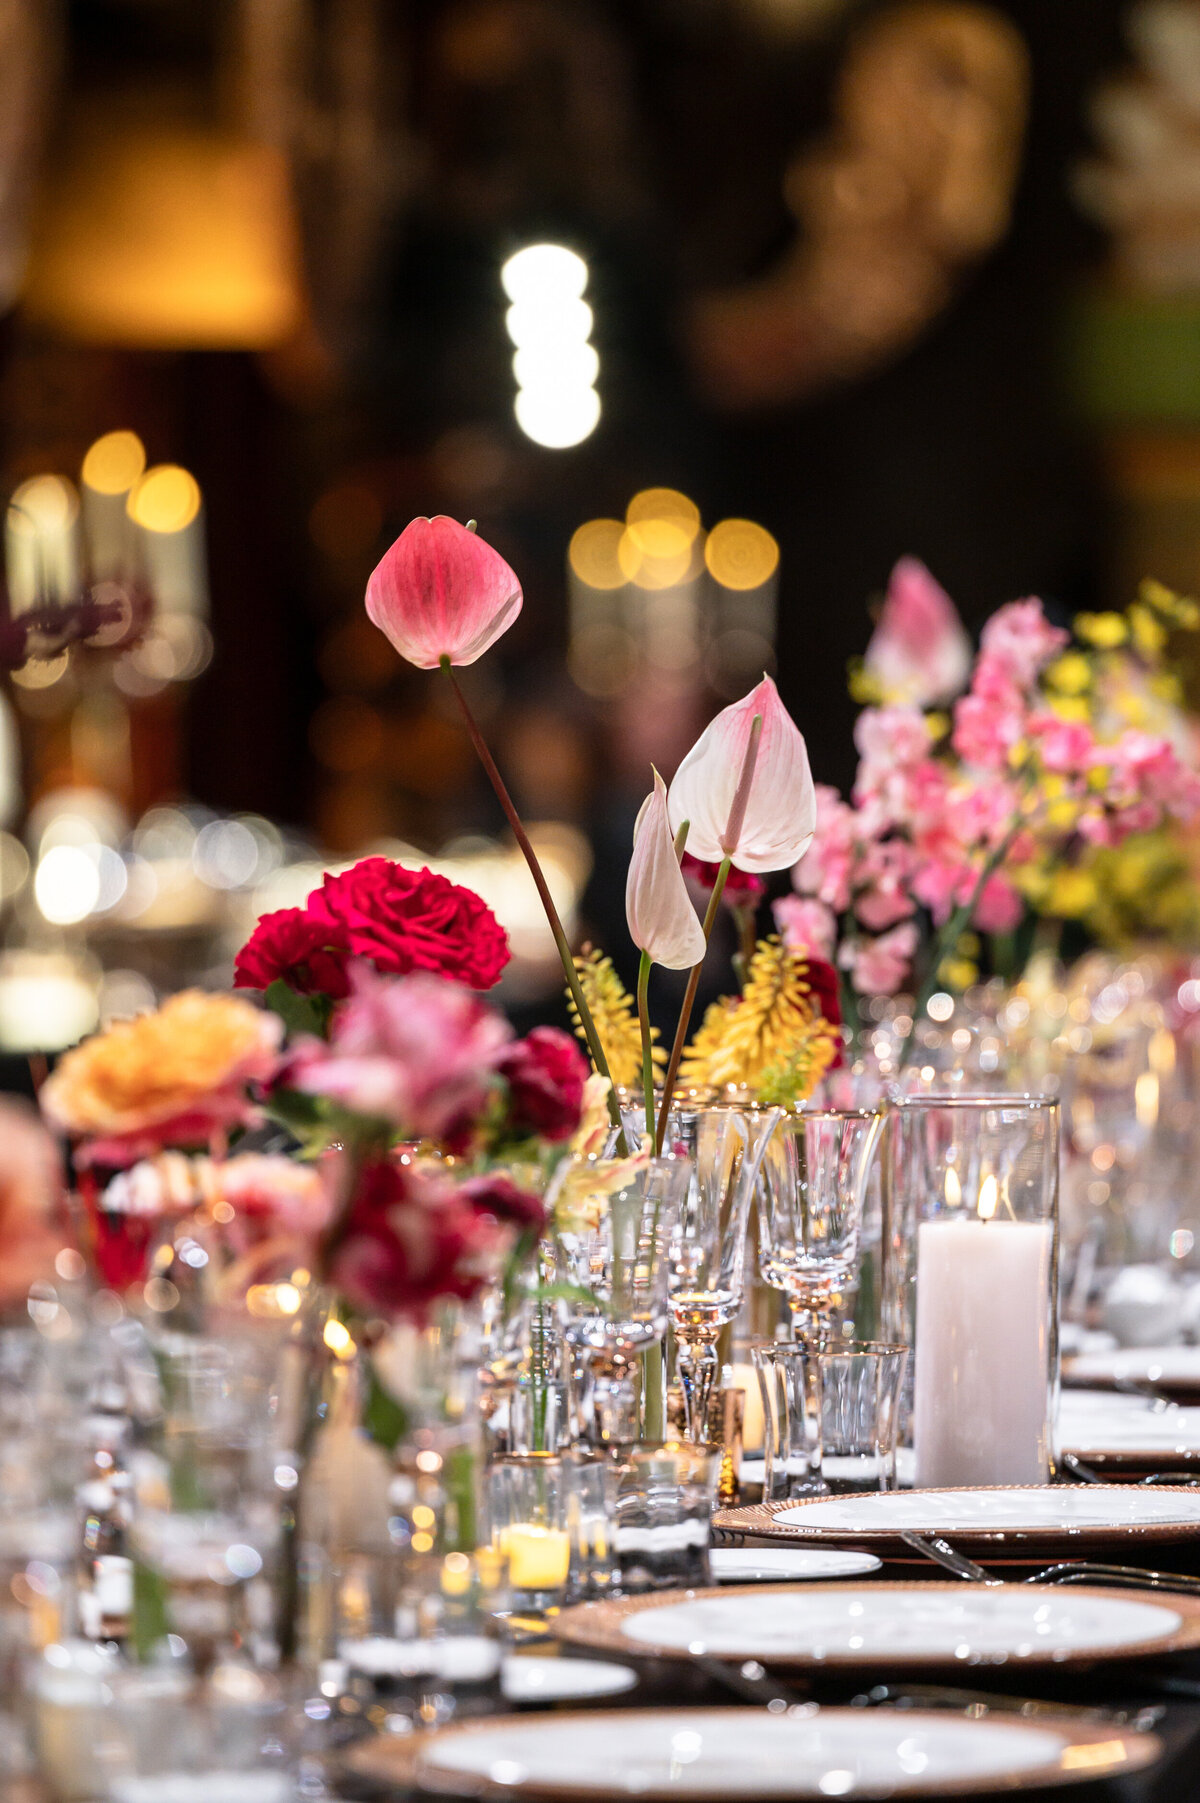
(723, 1149)
(810, 1210)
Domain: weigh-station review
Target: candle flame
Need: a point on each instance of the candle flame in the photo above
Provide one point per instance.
(953, 1189)
(988, 1196)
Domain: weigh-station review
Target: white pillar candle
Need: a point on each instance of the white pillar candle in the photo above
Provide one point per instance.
(982, 1355)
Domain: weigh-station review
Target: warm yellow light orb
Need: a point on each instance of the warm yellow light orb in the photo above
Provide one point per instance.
(741, 554)
(114, 463)
(43, 504)
(664, 505)
(165, 500)
(592, 554)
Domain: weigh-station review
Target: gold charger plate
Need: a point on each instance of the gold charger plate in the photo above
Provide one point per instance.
(1041, 1539)
(1085, 1751)
(602, 1624)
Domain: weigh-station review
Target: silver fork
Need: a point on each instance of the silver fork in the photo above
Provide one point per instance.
(1066, 1571)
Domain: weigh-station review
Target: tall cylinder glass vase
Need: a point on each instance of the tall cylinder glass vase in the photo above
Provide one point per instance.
(971, 1283)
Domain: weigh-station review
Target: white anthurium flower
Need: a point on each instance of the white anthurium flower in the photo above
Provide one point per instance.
(776, 816)
(662, 920)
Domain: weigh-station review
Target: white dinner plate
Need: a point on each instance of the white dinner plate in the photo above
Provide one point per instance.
(784, 1564)
(744, 1755)
(932, 1624)
(1105, 1424)
(839, 1471)
(530, 1678)
(1013, 1519)
(1177, 1367)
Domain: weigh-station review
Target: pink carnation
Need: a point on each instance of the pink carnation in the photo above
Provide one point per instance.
(418, 1052)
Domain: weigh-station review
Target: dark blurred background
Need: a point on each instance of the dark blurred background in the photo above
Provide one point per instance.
(877, 278)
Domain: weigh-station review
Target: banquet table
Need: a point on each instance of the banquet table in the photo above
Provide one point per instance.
(1161, 1694)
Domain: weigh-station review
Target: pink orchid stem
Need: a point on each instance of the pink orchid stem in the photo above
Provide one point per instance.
(737, 815)
(543, 888)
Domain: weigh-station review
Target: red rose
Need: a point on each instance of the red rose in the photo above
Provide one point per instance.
(742, 887)
(496, 1194)
(545, 1073)
(404, 920)
(412, 1240)
(826, 993)
(293, 946)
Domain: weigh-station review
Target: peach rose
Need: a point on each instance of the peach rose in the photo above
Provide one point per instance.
(174, 1077)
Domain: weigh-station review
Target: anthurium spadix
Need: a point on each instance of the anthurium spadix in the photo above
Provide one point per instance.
(440, 593)
(776, 814)
(662, 920)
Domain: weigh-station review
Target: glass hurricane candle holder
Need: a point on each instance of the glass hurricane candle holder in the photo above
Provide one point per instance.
(530, 1526)
(971, 1282)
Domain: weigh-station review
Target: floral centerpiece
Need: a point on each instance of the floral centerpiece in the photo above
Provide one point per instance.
(964, 821)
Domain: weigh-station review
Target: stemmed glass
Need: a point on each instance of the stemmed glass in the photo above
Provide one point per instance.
(612, 1260)
(810, 1210)
(723, 1149)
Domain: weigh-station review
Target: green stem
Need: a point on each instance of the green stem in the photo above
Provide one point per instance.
(543, 888)
(685, 1012)
(643, 1008)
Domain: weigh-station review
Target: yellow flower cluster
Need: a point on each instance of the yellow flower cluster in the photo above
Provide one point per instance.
(612, 1008)
(772, 1039)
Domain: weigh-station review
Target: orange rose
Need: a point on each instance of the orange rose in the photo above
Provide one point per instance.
(175, 1077)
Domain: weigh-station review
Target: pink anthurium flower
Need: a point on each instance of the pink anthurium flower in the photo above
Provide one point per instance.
(780, 810)
(919, 654)
(662, 920)
(441, 592)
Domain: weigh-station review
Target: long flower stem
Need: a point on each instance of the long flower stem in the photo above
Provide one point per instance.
(685, 1012)
(543, 888)
(643, 1008)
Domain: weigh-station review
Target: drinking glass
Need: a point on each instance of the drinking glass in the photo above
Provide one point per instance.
(810, 1210)
(789, 1377)
(971, 1282)
(860, 1414)
(723, 1148)
(612, 1255)
(528, 1511)
(664, 1509)
(206, 1516)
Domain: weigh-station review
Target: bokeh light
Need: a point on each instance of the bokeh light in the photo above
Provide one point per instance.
(540, 271)
(66, 885)
(557, 418)
(593, 554)
(741, 554)
(167, 499)
(555, 365)
(114, 463)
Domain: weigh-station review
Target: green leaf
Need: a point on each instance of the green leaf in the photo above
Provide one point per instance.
(385, 1419)
(299, 1013)
(151, 1624)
